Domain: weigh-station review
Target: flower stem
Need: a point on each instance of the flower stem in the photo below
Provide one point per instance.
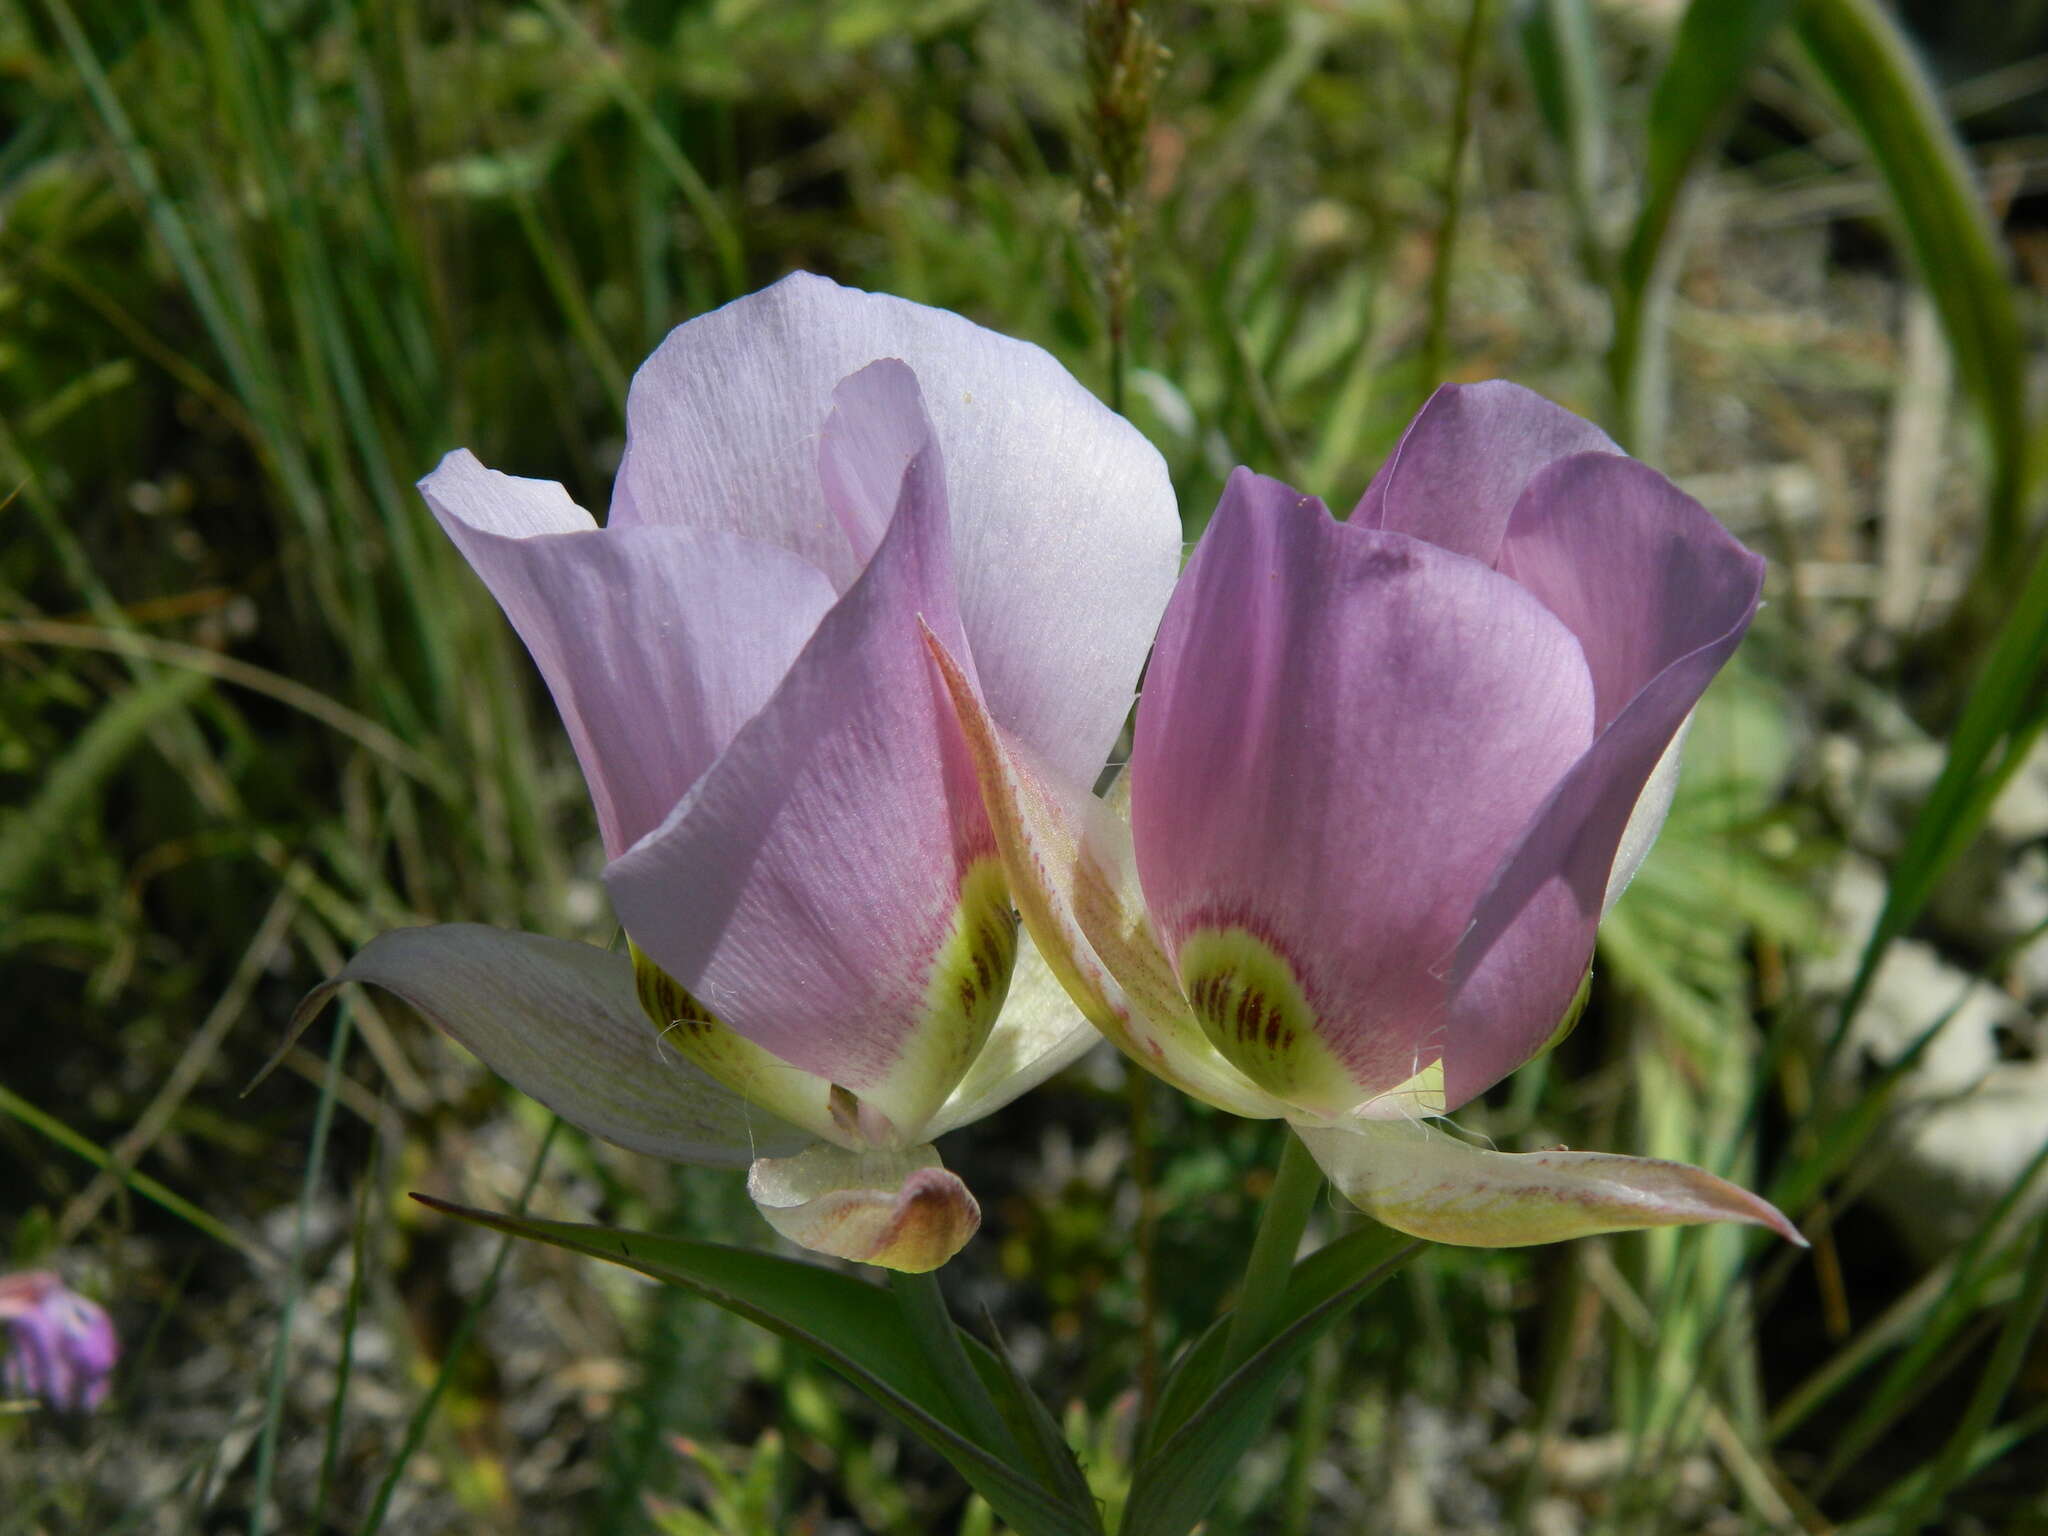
(1260, 1300)
(1138, 1091)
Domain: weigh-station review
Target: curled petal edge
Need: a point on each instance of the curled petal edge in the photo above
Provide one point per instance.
(1427, 1183)
(897, 1209)
(1653, 808)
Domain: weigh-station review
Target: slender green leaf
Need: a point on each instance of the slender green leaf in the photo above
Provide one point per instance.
(281, 1349)
(1437, 335)
(1961, 1449)
(423, 1412)
(13, 1104)
(1028, 1419)
(1178, 1481)
(943, 1347)
(2003, 714)
(1868, 66)
(1717, 43)
(1975, 1265)
(853, 1326)
(1999, 1442)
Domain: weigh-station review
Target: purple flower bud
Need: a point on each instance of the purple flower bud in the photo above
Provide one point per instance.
(60, 1346)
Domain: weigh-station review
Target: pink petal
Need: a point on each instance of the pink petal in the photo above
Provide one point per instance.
(1659, 595)
(1065, 537)
(1341, 730)
(1463, 461)
(805, 887)
(658, 644)
(1637, 569)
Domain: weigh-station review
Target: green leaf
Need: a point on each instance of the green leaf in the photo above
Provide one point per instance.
(1717, 43)
(1036, 1431)
(1196, 1452)
(854, 1327)
(1866, 63)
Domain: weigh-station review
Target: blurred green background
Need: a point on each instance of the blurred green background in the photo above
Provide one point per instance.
(262, 263)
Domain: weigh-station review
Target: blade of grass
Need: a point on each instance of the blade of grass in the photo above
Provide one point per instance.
(193, 1060)
(1862, 56)
(344, 1369)
(48, 1125)
(1716, 44)
(1954, 1464)
(33, 834)
(704, 203)
(1559, 48)
(1975, 1264)
(1998, 1443)
(360, 729)
(1437, 338)
(458, 1341)
(2003, 713)
(280, 1355)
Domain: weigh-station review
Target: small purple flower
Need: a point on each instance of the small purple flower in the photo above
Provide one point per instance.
(1388, 775)
(60, 1346)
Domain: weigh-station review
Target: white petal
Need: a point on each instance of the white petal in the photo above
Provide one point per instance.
(1065, 533)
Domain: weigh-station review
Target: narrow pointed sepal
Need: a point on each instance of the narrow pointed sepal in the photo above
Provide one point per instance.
(559, 1021)
(1421, 1181)
(896, 1209)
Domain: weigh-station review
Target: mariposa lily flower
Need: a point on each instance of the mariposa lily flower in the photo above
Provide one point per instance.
(60, 1346)
(1388, 775)
(821, 936)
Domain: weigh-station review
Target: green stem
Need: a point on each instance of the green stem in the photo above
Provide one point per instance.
(1262, 1298)
(1138, 1092)
(924, 1308)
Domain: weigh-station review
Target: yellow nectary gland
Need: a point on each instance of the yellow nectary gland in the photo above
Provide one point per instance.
(1250, 1005)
